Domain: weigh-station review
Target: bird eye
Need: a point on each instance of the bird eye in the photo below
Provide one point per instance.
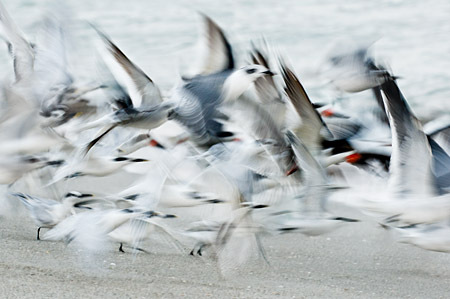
(250, 71)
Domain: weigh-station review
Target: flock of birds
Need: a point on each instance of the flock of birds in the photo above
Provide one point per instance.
(232, 153)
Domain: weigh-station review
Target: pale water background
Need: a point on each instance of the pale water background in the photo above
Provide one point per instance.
(161, 36)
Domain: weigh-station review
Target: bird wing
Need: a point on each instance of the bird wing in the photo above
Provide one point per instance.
(51, 63)
(219, 55)
(141, 89)
(312, 123)
(410, 167)
(22, 51)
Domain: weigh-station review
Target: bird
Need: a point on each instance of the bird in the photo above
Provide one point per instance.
(355, 71)
(91, 228)
(137, 142)
(432, 237)
(136, 231)
(94, 166)
(198, 98)
(47, 213)
(139, 104)
(411, 159)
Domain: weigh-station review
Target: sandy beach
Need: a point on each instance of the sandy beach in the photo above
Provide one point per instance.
(356, 261)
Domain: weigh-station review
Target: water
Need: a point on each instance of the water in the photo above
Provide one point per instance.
(161, 36)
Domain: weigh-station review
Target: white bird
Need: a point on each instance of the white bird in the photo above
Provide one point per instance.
(137, 142)
(435, 237)
(355, 71)
(90, 229)
(15, 167)
(47, 213)
(312, 226)
(94, 166)
(136, 96)
(204, 233)
(136, 231)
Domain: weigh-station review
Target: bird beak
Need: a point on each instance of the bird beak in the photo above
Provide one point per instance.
(170, 216)
(139, 160)
(155, 143)
(214, 201)
(172, 114)
(269, 73)
(86, 195)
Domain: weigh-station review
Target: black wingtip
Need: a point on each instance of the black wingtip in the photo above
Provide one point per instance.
(228, 48)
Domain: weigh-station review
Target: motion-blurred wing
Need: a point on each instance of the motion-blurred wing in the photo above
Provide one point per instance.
(411, 157)
(22, 51)
(142, 90)
(219, 55)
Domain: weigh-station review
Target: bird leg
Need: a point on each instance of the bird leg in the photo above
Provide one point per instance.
(39, 229)
(121, 248)
(199, 251)
(193, 249)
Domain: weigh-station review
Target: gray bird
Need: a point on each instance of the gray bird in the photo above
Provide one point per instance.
(198, 98)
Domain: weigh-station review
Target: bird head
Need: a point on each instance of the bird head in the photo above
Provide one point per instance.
(241, 79)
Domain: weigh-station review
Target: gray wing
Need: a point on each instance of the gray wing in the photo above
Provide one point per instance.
(140, 87)
(410, 167)
(441, 166)
(219, 55)
(22, 51)
(51, 64)
(265, 86)
(312, 123)
(356, 58)
(314, 172)
(198, 100)
(314, 175)
(254, 119)
(38, 207)
(189, 113)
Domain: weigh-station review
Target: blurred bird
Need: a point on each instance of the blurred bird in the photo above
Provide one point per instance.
(47, 213)
(140, 104)
(198, 98)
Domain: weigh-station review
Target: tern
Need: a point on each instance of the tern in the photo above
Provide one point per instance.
(47, 213)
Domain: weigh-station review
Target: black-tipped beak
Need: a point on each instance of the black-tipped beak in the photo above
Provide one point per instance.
(259, 206)
(287, 229)
(155, 143)
(150, 214)
(214, 201)
(139, 160)
(346, 219)
(169, 216)
(86, 195)
(55, 163)
(269, 73)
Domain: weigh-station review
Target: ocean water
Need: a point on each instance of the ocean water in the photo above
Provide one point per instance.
(162, 36)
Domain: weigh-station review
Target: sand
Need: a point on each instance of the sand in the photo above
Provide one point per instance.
(360, 260)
